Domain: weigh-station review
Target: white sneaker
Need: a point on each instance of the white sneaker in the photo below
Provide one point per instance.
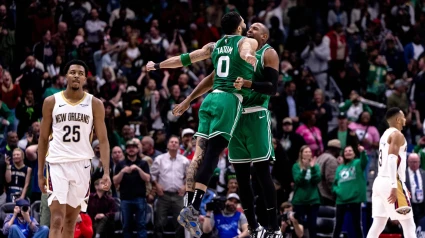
(274, 234)
(257, 233)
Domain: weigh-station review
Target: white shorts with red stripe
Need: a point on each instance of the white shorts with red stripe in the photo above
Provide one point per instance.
(69, 183)
(400, 210)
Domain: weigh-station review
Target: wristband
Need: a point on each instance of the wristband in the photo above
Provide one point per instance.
(185, 59)
(156, 66)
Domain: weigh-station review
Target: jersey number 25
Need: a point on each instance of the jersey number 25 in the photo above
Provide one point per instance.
(74, 130)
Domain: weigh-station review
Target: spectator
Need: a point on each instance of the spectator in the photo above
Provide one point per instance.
(57, 86)
(18, 177)
(367, 134)
(337, 15)
(115, 14)
(344, 134)
(316, 56)
(328, 164)
(61, 39)
(311, 134)
(131, 176)
(22, 224)
(185, 89)
(44, 51)
(148, 147)
(94, 27)
(117, 157)
(415, 178)
(376, 78)
(102, 58)
(291, 141)
(323, 112)
(353, 107)
(350, 189)
(31, 78)
(228, 222)
(11, 143)
(76, 15)
(398, 97)
(187, 148)
(101, 209)
(30, 137)
(289, 225)
(337, 42)
(4, 166)
(168, 173)
(83, 226)
(306, 197)
(10, 92)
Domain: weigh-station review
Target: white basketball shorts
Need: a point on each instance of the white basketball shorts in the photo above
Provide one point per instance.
(69, 183)
(382, 208)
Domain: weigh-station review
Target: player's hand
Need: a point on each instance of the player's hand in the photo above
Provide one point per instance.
(251, 59)
(179, 109)
(150, 66)
(42, 183)
(238, 84)
(105, 182)
(360, 148)
(393, 196)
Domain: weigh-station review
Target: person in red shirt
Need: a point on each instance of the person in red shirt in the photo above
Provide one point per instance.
(83, 227)
(187, 148)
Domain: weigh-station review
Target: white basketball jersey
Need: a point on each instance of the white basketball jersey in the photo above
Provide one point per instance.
(72, 130)
(383, 167)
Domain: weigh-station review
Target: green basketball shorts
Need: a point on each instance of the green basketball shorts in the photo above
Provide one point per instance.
(219, 114)
(252, 138)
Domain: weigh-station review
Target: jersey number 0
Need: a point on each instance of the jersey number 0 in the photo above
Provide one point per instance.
(223, 61)
(74, 130)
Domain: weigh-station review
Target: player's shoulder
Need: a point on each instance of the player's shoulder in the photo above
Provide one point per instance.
(96, 101)
(49, 102)
(396, 136)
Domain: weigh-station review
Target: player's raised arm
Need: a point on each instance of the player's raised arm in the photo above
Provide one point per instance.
(102, 136)
(203, 87)
(271, 73)
(43, 140)
(247, 50)
(183, 59)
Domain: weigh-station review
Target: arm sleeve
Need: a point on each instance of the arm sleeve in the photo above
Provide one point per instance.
(269, 87)
(392, 164)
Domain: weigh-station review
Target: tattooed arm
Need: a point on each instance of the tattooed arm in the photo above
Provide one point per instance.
(176, 62)
(201, 146)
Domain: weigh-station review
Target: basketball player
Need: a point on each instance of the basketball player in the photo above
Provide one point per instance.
(65, 139)
(389, 193)
(251, 141)
(232, 56)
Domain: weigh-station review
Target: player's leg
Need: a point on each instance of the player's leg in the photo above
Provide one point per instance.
(57, 218)
(378, 225)
(409, 228)
(78, 174)
(260, 148)
(69, 222)
(57, 188)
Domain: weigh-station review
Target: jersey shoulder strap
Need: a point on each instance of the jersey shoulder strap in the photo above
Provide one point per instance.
(264, 48)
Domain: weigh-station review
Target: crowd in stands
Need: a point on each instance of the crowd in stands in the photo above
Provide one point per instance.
(342, 63)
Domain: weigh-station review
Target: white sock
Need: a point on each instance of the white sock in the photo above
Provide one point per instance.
(409, 228)
(377, 227)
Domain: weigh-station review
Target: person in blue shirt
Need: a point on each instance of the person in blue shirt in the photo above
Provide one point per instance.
(21, 224)
(228, 222)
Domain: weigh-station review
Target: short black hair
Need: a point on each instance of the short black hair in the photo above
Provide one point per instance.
(76, 62)
(230, 22)
(392, 112)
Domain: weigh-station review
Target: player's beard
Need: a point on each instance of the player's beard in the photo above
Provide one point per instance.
(244, 31)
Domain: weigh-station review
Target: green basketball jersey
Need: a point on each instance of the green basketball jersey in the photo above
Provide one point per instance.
(229, 65)
(258, 99)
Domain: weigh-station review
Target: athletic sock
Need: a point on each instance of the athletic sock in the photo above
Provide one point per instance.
(197, 198)
(188, 197)
(272, 214)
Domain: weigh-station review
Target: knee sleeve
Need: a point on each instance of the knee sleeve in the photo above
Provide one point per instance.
(215, 146)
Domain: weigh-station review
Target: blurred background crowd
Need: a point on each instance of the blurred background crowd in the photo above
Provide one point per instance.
(342, 63)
